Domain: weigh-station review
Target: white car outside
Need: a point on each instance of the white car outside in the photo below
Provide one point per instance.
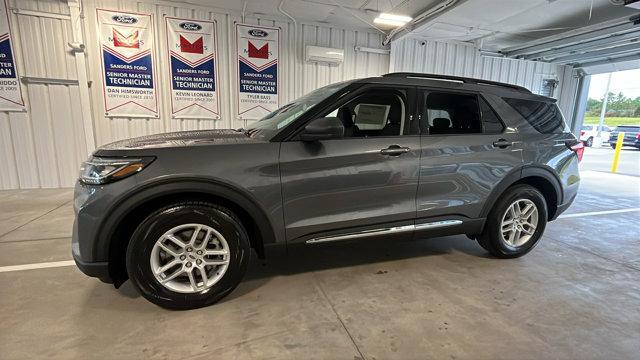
(589, 135)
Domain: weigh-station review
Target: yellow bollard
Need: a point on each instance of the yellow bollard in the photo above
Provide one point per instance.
(616, 154)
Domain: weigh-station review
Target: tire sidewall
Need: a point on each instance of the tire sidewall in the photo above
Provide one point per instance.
(158, 223)
(517, 193)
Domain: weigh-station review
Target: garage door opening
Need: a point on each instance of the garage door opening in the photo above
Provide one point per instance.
(612, 106)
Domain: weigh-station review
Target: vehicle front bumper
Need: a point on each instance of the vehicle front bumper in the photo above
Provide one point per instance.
(98, 270)
(89, 245)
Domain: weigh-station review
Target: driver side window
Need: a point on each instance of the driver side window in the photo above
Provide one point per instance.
(377, 112)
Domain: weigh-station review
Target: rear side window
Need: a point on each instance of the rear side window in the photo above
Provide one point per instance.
(448, 113)
(544, 117)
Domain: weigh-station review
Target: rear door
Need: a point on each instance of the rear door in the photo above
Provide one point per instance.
(363, 182)
(466, 151)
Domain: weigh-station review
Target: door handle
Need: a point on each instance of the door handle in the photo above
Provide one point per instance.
(502, 143)
(395, 150)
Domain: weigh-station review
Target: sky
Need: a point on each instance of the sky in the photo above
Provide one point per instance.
(627, 82)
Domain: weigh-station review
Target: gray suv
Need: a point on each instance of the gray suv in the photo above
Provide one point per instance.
(395, 157)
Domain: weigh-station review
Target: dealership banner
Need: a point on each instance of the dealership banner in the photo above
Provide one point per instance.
(10, 93)
(126, 41)
(258, 49)
(192, 55)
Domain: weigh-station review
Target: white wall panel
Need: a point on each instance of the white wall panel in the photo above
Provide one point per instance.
(463, 59)
(44, 146)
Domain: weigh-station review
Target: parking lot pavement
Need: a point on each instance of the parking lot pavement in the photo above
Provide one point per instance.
(576, 295)
(601, 158)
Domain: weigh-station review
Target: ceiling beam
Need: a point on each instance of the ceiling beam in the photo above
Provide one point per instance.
(613, 60)
(599, 54)
(573, 37)
(585, 46)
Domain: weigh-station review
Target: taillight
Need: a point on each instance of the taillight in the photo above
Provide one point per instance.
(638, 136)
(582, 133)
(577, 147)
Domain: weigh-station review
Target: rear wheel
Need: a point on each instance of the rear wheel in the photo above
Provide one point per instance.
(188, 255)
(516, 222)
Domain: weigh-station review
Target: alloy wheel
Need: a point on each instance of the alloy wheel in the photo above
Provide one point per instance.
(519, 222)
(190, 258)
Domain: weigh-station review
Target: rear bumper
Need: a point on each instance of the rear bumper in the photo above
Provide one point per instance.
(562, 208)
(98, 270)
(625, 142)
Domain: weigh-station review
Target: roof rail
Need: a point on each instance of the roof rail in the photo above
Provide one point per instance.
(465, 80)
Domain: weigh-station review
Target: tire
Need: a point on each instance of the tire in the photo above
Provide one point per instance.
(491, 238)
(589, 142)
(181, 220)
(613, 146)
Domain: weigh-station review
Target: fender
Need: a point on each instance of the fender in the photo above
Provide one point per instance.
(155, 189)
(547, 173)
(517, 175)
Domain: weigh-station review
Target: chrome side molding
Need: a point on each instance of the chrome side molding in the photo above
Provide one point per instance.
(385, 231)
(438, 224)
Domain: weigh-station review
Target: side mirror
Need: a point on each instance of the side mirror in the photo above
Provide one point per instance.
(323, 129)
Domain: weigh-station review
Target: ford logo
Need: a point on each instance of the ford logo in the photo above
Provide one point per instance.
(124, 19)
(190, 26)
(258, 33)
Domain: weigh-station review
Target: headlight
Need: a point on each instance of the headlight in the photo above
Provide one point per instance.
(99, 170)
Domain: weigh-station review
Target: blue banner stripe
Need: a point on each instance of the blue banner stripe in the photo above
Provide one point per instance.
(136, 74)
(261, 82)
(7, 66)
(198, 78)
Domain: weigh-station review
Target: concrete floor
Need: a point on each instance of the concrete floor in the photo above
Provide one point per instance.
(577, 295)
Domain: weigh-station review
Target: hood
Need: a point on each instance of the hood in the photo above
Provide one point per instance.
(182, 139)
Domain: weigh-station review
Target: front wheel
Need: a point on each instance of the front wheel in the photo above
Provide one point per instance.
(188, 255)
(516, 222)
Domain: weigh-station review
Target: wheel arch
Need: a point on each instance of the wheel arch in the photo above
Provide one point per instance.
(136, 205)
(537, 176)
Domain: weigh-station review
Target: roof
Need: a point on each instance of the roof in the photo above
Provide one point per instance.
(456, 82)
(465, 80)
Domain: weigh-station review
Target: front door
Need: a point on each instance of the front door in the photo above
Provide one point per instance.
(363, 182)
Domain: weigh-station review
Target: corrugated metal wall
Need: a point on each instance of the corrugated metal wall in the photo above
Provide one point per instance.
(43, 147)
(463, 59)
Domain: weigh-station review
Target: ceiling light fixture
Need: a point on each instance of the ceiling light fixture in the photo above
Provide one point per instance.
(392, 19)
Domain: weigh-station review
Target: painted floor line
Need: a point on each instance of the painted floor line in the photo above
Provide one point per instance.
(594, 213)
(55, 264)
(43, 265)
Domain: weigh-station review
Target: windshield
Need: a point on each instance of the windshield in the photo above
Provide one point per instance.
(271, 124)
